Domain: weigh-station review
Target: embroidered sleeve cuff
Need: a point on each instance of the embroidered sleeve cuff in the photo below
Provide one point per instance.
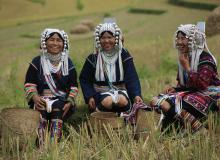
(30, 90)
(73, 92)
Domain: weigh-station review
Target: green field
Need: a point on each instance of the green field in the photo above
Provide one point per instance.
(149, 38)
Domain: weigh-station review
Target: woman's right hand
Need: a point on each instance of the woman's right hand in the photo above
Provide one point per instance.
(39, 102)
(169, 90)
(92, 104)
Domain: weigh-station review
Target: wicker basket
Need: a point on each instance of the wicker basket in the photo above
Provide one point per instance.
(18, 125)
(146, 123)
(100, 119)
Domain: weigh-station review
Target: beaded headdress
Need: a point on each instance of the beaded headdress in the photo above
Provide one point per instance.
(111, 27)
(196, 37)
(109, 59)
(47, 33)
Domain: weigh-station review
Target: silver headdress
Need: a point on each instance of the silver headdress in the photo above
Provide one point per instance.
(47, 33)
(108, 59)
(111, 27)
(196, 43)
(197, 38)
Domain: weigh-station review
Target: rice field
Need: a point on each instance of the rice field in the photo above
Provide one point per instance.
(148, 37)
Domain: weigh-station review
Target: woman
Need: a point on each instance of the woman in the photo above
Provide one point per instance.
(51, 83)
(108, 79)
(190, 101)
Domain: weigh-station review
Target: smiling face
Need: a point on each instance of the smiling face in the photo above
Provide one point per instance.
(182, 43)
(55, 44)
(107, 41)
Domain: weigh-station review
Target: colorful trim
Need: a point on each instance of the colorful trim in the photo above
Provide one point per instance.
(30, 90)
(73, 92)
(56, 130)
(195, 123)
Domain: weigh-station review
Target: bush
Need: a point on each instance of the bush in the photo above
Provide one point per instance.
(194, 5)
(39, 1)
(79, 5)
(107, 14)
(146, 11)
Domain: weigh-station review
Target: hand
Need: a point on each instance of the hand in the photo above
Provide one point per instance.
(169, 90)
(39, 102)
(138, 99)
(184, 61)
(92, 104)
(66, 108)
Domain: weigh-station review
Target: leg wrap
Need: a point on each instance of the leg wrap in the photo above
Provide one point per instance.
(189, 118)
(56, 129)
(42, 128)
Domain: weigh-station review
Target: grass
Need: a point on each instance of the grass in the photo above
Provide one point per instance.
(149, 39)
(109, 144)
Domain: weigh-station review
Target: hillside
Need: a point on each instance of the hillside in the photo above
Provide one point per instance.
(146, 35)
(149, 38)
(19, 11)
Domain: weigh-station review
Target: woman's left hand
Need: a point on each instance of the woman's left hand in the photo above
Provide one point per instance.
(138, 99)
(66, 108)
(184, 61)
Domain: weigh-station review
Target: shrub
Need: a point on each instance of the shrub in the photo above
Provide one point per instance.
(194, 5)
(79, 5)
(146, 11)
(107, 14)
(38, 1)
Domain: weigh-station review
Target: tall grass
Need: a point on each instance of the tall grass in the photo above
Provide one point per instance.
(149, 40)
(111, 145)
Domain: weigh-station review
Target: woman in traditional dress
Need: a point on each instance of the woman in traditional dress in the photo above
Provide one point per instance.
(109, 80)
(51, 83)
(191, 100)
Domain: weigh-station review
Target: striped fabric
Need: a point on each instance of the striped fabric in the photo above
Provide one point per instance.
(189, 118)
(73, 92)
(30, 90)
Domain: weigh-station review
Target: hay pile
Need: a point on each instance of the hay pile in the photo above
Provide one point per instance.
(213, 23)
(85, 26)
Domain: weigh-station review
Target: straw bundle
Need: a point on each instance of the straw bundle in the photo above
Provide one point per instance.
(81, 28)
(18, 126)
(213, 23)
(88, 23)
(146, 123)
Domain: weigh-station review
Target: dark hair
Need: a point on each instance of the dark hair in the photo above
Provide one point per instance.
(184, 34)
(107, 32)
(50, 35)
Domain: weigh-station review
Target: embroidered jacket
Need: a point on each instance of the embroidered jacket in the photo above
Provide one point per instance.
(131, 80)
(35, 82)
